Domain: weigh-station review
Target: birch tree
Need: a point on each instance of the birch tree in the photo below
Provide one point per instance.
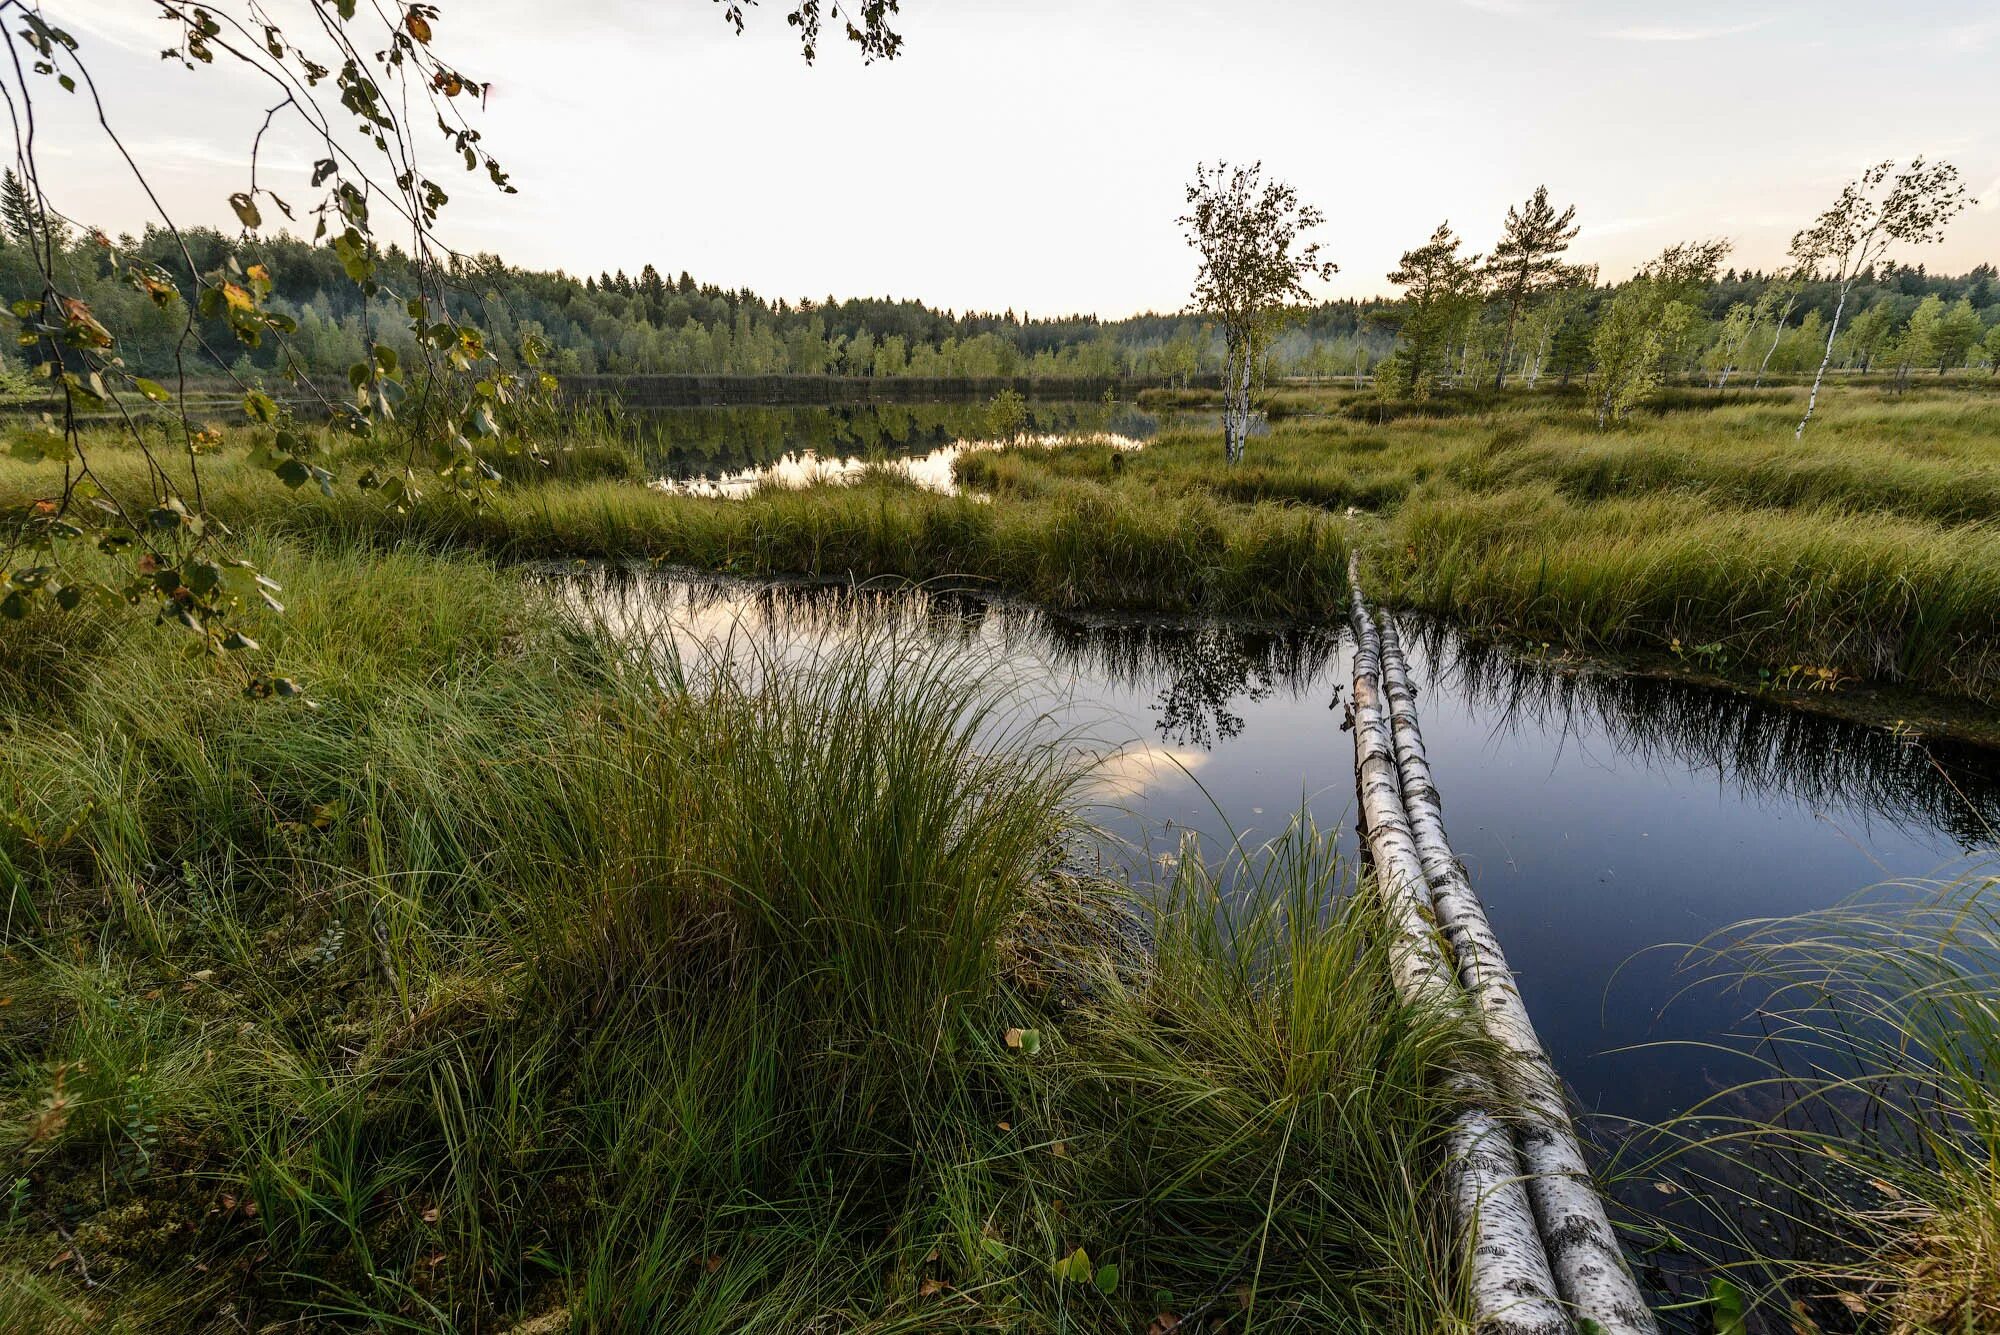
(1957, 335)
(1730, 340)
(1647, 320)
(1778, 301)
(1255, 262)
(1875, 212)
(1527, 262)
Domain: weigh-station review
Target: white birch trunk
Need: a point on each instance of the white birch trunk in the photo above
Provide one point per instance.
(1833, 330)
(1776, 335)
(1236, 401)
(1513, 1292)
(1582, 1249)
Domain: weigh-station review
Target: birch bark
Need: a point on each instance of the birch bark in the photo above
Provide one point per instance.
(1512, 1288)
(1582, 1249)
(1812, 399)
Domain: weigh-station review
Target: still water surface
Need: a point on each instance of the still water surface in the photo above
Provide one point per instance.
(734, 450)
(1602, 817)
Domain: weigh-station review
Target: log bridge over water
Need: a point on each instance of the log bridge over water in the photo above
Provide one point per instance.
(1544, 1259)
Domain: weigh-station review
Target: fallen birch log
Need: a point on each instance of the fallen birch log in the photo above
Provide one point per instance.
(1590, 1270)
(1513, 1291)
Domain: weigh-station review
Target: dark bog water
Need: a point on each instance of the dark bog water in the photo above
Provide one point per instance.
(731, 450)
(1602, 817)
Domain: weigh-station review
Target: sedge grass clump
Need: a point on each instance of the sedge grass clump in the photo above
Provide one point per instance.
(1873, 1134)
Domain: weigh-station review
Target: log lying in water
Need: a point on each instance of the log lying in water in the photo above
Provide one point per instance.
(1582, 1250)
(1512, 1288)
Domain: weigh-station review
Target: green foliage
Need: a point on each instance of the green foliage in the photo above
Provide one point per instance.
(1442, 293)
(1647, 325)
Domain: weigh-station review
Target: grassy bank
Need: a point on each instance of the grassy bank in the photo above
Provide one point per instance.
(1696, 533)
(523, 981)
(1087, 547)
(1867, 554)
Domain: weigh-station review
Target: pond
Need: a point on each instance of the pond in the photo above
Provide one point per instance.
(1604, 818)
(731, 451)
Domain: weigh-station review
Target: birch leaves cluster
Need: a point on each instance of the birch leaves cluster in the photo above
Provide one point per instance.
(1255, 263)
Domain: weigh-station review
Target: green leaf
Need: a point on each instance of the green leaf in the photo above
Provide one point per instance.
(1726, 1300)
(152, 389)
(246, 209)
(293, 473)
(39, 442)
(201, 578)
(1107, 1279)
(1074, 1268)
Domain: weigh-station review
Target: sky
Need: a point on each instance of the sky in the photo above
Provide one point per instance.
(1031, 155)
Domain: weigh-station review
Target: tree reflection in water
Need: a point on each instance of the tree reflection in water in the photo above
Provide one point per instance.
(1206, 676)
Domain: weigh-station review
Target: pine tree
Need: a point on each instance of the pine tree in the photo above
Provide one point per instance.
(22, 218)
(1441, 294)
(1528, 262)
(17, 211)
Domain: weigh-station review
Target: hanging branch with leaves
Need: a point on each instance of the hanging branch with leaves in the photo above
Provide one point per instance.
(364, 84)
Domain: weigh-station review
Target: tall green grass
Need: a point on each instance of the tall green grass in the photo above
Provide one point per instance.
(1867, 1154)
(1081, 546)
(538, 975)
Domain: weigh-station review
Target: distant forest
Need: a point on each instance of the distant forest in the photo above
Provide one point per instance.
(649, 323)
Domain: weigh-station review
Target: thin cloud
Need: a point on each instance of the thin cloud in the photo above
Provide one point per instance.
(1660, 32)
(1972, 36)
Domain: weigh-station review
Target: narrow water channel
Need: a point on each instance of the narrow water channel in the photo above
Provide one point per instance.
(1606, 820)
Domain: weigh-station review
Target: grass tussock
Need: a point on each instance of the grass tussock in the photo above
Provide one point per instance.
(531, 982)
(1873, 1136)
(1864, 554)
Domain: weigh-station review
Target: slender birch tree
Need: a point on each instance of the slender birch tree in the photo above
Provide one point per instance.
(1875, 212)
(1957, 335)
(1527, 262)
(1779, 300)
(1730, 340)
(1646, 322)
(1255, 261)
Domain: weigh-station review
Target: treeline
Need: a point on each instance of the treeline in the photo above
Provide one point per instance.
(1899, 321)
(1451, 326)
(1524, 311)
(618, 324)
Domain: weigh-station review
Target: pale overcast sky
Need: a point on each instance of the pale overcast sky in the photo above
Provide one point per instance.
(1032, 154)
